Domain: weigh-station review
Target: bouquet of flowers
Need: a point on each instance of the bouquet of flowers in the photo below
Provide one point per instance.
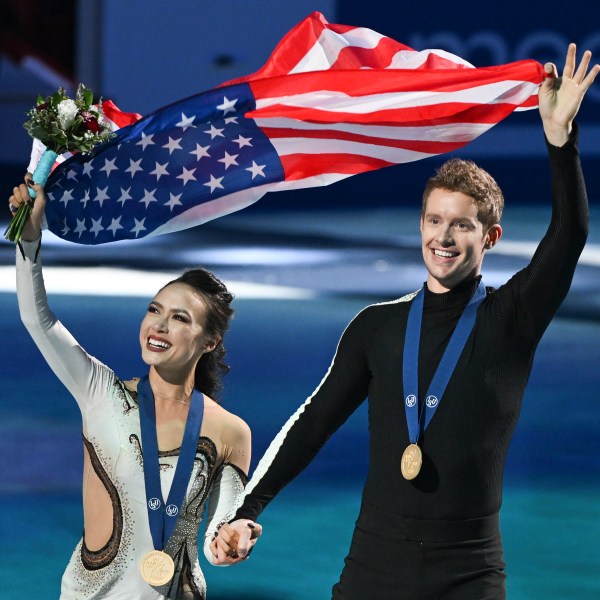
(62, 125)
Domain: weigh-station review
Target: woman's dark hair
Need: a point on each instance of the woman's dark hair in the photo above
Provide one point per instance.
(217, 298)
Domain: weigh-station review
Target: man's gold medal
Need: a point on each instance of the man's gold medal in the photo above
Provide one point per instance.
(412, 459)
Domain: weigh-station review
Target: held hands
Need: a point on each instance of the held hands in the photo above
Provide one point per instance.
(560, 97)
(234, 541)
(32, 229)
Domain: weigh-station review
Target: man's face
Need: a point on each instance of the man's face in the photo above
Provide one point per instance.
(453, 239)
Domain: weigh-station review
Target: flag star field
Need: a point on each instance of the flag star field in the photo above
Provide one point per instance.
(193, 152)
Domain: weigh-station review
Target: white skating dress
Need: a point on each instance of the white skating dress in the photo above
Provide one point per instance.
(111, 435)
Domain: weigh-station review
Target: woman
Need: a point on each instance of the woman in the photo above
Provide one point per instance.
(149, 470)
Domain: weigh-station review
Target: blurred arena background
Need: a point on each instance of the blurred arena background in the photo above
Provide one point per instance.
(301, 264)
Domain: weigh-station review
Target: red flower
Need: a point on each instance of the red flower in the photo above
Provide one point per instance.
(42, 106)
(90, 121)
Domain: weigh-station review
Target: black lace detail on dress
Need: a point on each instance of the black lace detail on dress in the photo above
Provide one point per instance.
(207, 451)
(134, 440)
(97, 559)
(186, 588)
(206, 447)
(126, 396)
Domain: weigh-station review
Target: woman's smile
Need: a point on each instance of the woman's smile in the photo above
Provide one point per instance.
(156, 344)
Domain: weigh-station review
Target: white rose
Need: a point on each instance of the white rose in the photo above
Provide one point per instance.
(67, 111)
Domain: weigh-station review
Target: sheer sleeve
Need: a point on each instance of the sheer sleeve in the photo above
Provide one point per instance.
(85, 377)
(224, 497)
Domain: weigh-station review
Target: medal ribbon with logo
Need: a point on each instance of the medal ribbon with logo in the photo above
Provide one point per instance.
(412, 458)
(157, 567)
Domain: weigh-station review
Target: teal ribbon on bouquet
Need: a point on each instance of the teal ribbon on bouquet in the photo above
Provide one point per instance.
(43, 168)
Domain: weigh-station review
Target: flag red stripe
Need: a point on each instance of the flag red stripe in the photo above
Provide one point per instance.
(118, 117)
(343, 29)
(434, 61)
(374, 58)
(356, 83)
(422, 116)
(531, 102)
(301, 166)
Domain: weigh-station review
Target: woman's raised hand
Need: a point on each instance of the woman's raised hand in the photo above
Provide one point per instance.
(33, 227)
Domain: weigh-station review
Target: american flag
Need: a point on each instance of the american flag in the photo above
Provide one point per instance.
(332, 101)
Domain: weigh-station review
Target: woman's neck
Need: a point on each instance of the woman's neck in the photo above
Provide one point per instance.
(171, 388)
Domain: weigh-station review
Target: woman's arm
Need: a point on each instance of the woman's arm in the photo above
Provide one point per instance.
(228, 486)
(78, 371)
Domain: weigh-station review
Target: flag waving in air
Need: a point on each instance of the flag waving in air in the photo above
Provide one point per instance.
(332, 101)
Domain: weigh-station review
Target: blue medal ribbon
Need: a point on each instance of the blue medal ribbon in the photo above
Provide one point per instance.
(163, 516)
(443, 373)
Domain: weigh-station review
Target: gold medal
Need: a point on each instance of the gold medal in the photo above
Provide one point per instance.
(157, 568)
(412, 459)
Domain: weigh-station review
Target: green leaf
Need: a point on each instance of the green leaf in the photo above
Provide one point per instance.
(88, 97)
(36, 131)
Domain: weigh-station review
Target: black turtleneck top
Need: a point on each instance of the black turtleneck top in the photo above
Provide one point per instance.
(465, 445)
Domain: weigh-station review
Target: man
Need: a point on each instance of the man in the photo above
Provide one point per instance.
(445, 371)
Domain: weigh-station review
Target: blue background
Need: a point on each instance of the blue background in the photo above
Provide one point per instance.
(348, 245)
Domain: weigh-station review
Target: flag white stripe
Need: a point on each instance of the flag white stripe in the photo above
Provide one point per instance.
(512, 92)
(220, 207)
(225, 205)
(411, 59)
(213, 209)
(317, 58)
(322, 55)
(359, 37)
(289, 146)
(327, 48)
(113, 125)
(454, 132)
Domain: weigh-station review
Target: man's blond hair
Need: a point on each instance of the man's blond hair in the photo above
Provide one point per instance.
(458, 175)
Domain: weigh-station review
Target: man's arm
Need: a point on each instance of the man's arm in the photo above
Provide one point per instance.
(533, 295)
(341, 391)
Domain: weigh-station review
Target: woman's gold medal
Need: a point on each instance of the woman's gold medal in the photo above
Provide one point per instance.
(157, 568)
(412, 459)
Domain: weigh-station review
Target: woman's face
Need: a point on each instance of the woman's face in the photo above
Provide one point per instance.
(172, 334)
